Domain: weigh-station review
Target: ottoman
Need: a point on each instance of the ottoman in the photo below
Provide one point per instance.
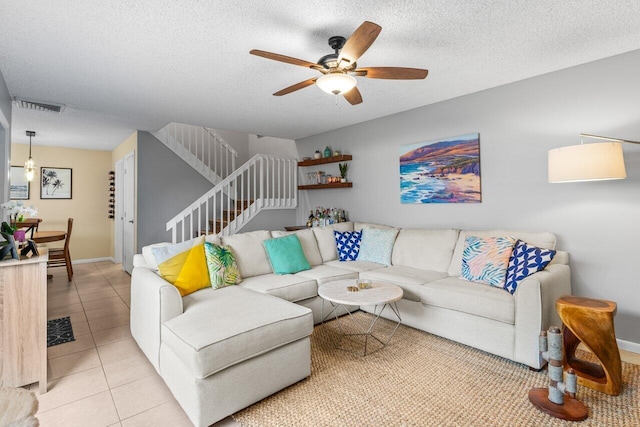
(231, 348)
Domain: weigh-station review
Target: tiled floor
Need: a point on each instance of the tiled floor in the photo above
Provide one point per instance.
(102, 378)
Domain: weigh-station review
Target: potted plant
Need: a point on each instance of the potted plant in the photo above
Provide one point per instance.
(344, 168)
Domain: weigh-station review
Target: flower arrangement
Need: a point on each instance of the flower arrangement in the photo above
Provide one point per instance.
(17, 211)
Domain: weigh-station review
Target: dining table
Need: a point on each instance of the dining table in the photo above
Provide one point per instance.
(48, 236)
(31, 224)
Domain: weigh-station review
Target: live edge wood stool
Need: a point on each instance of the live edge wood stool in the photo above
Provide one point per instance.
(590, 321)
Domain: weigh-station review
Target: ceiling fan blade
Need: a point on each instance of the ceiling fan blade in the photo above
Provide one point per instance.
(286, 59)
(395, 73)
(361, 39)
(353, 96)
(295, 87)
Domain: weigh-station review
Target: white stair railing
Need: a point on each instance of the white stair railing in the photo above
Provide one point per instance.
(201, 148)
(264, 182)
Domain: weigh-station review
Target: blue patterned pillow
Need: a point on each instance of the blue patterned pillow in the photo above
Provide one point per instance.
(377, 245)
(485, 260)
(348, 244)
(525, 260)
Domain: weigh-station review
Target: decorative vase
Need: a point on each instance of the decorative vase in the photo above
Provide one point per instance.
(19, 235)
(343, 180)
(317, 154)
(327, 152)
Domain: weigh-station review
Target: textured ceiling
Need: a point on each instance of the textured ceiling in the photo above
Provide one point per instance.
(121, 66)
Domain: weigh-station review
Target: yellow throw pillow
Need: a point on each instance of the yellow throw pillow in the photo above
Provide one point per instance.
(184, 265)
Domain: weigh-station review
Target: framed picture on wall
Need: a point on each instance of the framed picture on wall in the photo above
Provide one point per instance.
(19, 184)
(55, 183)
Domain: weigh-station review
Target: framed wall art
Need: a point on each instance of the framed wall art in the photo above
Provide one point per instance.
(18, 184)
(442, 171)
(55, 183)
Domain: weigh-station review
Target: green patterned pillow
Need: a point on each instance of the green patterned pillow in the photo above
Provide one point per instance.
(223, 270)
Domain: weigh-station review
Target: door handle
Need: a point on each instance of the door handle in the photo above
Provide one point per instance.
(131, 221)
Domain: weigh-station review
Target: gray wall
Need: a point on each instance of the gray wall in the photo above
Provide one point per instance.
(166, 185)
(5, 139)
(598, 222)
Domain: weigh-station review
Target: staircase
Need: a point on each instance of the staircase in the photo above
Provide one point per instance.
(263, 182)
(201, 148)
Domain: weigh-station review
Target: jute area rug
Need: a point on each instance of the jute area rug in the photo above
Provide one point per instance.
(424, 380)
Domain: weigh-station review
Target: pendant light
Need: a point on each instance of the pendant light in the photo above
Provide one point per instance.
(30, 165)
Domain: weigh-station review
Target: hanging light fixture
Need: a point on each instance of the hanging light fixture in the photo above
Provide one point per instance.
(30, 165)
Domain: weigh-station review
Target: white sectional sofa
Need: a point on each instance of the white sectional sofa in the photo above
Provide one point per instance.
(222, 350)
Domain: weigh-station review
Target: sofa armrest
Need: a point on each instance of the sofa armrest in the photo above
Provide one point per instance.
(535, 309)
(153, 302)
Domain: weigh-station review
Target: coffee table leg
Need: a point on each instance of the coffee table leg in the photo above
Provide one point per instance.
(368, 331)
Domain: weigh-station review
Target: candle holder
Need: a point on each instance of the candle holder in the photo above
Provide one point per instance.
(558, 400)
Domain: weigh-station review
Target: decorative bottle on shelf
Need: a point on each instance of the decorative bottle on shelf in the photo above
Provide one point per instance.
(317, 154)
(327, 152)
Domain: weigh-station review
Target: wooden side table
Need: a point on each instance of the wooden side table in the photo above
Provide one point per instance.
(590, 321)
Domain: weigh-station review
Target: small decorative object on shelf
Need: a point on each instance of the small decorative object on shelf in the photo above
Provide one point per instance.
(336, 153)
(112, 189)
(558, 400)
(344, 168)
(317, 154)
(327, 152)
(321, 217)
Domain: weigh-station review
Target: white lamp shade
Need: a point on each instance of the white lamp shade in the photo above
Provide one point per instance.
(336, 83)
(587, 162)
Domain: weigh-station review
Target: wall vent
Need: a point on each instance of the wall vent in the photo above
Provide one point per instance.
(39, 106)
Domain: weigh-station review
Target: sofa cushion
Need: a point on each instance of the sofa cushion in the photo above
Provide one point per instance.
(222, 328)
(326, 241)
(469, 297)
(222, 266)
(183, 265)
(249, 252)
(355, 265)
(485, 259)
(542, 240)
(290, 287)
(377, 245)
(347, 244)
(360, 225)
(286, 255)
(409, 279)
(424, 249)
(525, 260)
(308, 242)
(325, 273)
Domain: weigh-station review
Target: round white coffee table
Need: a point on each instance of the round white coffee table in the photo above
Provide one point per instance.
(380, 295)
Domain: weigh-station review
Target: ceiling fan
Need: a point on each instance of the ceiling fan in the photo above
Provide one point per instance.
(339, 68)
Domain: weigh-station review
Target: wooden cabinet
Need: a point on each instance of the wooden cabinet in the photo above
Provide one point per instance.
(23, 321)
(322, 161)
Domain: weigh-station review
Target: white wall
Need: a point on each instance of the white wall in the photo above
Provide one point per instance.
(598, 223)
(5, 139)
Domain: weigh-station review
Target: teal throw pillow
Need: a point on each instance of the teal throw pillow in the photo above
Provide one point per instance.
(377, 244)
(286, 255)
(222, 266)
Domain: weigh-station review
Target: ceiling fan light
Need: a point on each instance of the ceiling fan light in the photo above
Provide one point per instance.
(336, 83)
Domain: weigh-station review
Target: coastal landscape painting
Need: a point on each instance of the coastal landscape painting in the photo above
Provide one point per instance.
(441, 171)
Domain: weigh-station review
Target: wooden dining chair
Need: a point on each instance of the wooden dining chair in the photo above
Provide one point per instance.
(59, 257)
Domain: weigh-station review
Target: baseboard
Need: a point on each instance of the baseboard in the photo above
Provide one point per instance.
(633, 347)
(89, 260)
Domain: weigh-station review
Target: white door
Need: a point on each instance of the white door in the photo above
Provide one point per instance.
(128, 246)
(119, 214)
